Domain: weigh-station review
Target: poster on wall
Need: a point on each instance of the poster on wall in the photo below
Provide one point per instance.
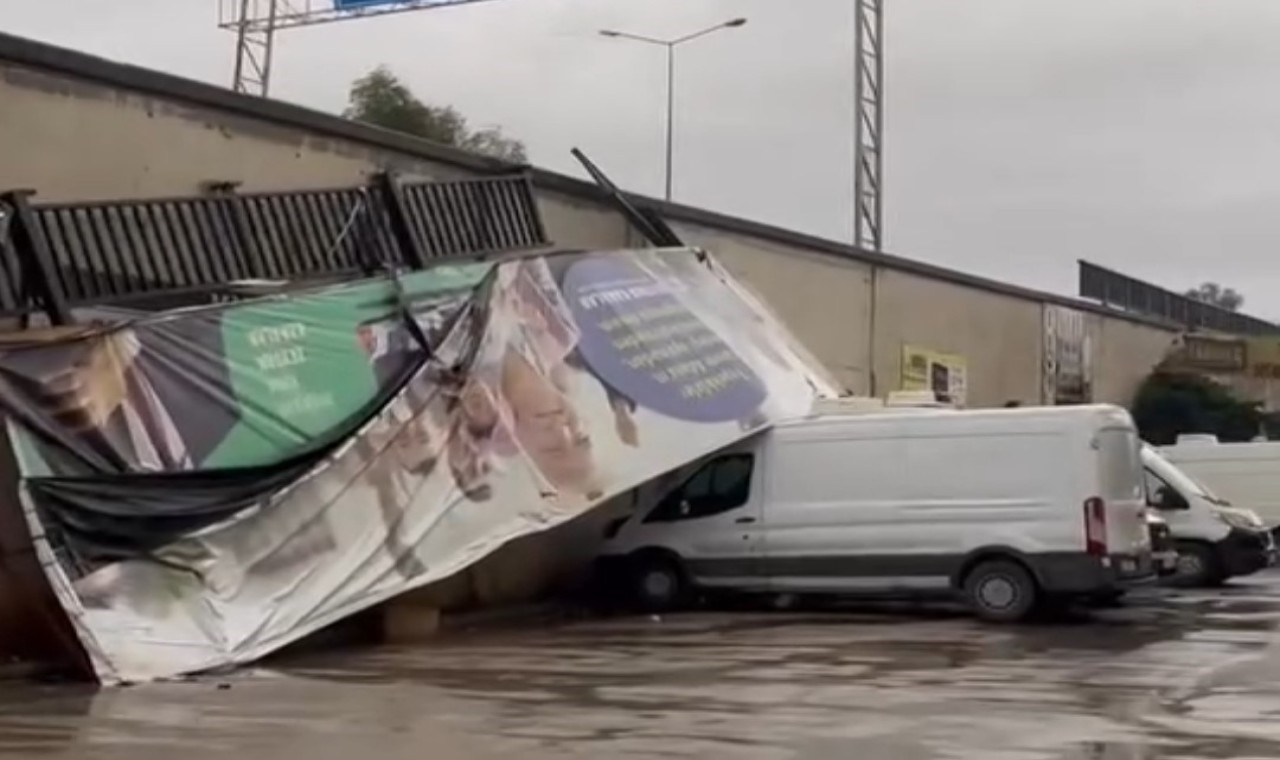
(1068, 357)
(207, 486)
(946, 375)
(1262, 357)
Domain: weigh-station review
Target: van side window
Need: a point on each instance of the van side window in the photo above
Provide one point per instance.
(721, 485)
(1159, 493)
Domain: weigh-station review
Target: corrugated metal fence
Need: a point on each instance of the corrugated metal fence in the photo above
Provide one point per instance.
(59, 256)
(1132, 295)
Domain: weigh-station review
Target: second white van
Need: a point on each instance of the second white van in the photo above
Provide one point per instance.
(1215, 540)
(1007, 508)
(1245, 474)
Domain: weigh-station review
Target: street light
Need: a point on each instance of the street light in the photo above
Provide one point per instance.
(671, 45)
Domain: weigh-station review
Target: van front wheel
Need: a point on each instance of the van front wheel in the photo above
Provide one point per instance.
(658, 583)
(1198, 566)
(1000, 591)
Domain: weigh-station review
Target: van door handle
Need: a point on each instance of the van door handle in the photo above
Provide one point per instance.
(745, 520)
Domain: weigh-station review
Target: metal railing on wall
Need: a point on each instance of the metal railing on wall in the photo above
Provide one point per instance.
(1138, 297)
(59, 256)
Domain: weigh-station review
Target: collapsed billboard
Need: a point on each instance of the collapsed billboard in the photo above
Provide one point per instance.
(206, 486)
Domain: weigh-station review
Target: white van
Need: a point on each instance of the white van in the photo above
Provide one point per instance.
(1215, 541)
(1006, 507)
(1245, 474)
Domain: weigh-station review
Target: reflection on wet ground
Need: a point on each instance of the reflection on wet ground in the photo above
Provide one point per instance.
(1171, 676)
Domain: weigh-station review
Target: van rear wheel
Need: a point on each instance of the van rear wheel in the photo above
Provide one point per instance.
(658, 583)
(1001, 591)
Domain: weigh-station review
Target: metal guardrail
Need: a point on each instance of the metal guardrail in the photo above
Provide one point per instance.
(55, 257)
(12, 296)
(1123, 292)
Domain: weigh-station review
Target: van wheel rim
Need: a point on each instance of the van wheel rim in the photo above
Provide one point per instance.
(657, 585)
(998, 593)
(1189, 565)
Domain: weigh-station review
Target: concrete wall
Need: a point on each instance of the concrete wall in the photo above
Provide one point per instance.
(126, 145)
(575, 223)
(123, 132)
(116, 144)
(1123, 355)
(998, 336)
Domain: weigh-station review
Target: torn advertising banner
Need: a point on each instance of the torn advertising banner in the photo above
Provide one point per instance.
(1068, 356)
(207, 486)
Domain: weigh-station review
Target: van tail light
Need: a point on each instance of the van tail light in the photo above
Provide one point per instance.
(1095, 527)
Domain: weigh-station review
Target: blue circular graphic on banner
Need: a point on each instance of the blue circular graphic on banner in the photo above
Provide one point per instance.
(640, 339)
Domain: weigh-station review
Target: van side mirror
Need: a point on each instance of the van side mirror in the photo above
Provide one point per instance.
(1170, 500)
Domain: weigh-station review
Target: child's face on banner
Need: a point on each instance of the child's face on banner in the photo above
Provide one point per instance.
(479, 409)
(547, 425)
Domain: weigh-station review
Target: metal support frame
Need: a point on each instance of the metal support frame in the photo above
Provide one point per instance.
(398, 214)
(255, 43)
(246, 241)
(868, 185)
(256, 23)
(650, 225)
(39, 270)
(166, 252)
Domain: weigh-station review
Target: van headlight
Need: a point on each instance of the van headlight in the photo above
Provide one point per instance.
(1246, 521)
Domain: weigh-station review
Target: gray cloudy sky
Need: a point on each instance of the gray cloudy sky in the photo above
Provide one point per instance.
(1022, 134)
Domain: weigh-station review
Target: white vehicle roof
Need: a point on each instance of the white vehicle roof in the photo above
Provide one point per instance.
(1090, 417)
(1212, 451)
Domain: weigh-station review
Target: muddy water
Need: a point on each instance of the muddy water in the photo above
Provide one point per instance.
(1170, 676)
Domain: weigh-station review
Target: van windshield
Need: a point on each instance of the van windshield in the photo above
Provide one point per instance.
(1181, 481)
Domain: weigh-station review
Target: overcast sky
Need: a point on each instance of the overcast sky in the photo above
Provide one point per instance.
(1143, 135)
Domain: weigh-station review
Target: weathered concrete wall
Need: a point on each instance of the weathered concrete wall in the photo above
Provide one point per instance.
(998, 336)
(1124, 355)
(823, 299)
(118, 144)
(122, 132)
(575, 223)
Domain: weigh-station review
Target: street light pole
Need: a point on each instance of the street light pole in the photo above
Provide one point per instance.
(671, 46)
(671, 114)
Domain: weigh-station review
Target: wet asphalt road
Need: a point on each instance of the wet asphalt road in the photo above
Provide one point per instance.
(1172, 675)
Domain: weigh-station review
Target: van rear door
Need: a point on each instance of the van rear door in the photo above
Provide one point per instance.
(1114, 519)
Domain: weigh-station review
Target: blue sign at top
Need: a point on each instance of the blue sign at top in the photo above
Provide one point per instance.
(351, 5)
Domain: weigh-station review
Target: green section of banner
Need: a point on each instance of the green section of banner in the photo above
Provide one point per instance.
(299, 368)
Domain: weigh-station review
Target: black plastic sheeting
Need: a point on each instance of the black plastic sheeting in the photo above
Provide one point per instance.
(111, 514)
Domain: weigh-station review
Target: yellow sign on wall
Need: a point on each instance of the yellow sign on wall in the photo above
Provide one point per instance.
(1262, 357)
(944, 374)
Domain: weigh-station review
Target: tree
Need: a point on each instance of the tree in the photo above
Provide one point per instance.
(1170, 403)
(1215, 294)
(381, 99)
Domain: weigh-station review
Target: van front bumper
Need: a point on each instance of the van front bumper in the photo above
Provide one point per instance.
(1166, 562)
(1243, 552)
(1084, 574)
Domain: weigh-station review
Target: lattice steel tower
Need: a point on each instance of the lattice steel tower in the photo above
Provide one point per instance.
(256, 22)
(868, 186)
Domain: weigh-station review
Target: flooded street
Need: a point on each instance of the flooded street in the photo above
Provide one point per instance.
(1185, 675)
